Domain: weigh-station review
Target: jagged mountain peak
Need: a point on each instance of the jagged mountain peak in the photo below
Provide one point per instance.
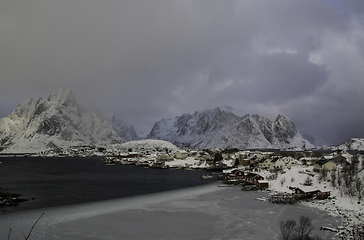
(223, 129)
(124, 129)
(57, 121)
(63, 96)
(281, 119)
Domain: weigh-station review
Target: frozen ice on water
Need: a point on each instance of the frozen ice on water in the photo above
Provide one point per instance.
(203, 212)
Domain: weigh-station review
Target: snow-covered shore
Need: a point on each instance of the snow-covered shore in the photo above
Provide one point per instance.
(347, 208)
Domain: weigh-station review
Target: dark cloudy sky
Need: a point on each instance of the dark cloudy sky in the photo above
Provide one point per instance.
(149, 59)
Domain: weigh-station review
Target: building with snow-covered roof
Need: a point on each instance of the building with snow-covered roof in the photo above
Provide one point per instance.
(164, 157)
(262, 184)
(252, 177)
(181, 154)
(265, 163)
(324, 165)
(307, 191)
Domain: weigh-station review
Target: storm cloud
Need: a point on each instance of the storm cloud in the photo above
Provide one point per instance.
(145, 60)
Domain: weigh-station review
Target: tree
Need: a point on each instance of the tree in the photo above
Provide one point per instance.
(359, 188)
(287, 229)
(338, 178)
(236, 162)
(291, 231)
(283, 180)
(304, 227)
(218, 157)
(333, 178)
(323, 175)
(308, 181)
(358, 231)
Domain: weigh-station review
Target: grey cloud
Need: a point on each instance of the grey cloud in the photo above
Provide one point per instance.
(281, 77)
(145, 60)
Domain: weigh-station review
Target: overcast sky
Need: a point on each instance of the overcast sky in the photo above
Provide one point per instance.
(148, 59)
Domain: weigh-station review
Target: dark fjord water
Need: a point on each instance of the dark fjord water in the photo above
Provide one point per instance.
(62, 181)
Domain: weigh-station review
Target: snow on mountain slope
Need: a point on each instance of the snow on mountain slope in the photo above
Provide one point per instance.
(124, 129)
(146, 144)
(54, 122)
(222, 129)
(353, 144)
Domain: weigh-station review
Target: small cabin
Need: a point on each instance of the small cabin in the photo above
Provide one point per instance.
(262, 184)
(306, 191)
(253, 177)
(323, 194)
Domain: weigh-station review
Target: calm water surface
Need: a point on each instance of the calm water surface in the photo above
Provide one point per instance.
(62, 181)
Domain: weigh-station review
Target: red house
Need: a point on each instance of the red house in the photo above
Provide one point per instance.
(262, 184)
(306, 192)
(253, 177)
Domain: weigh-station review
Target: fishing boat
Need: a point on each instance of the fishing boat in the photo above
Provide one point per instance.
(207, 177)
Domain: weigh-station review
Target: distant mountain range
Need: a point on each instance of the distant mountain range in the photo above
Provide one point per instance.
(220, 128)
(59, 121)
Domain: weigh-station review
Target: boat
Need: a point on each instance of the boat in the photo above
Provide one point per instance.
(207, 177)
(109, 161)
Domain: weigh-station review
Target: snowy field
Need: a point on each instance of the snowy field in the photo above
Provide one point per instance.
(204, 212)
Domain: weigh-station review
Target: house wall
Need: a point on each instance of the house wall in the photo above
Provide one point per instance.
(329, 166)
(245, 162)
(181, 155)
(262, 185)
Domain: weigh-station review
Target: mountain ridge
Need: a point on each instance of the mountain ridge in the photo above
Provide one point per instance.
(217, 128)
(57, 121)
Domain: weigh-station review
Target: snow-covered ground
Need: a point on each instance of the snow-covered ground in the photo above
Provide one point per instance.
(146, 144)
(347, 208)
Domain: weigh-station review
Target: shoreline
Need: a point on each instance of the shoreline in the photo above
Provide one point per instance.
(203, 212)
(338, 208)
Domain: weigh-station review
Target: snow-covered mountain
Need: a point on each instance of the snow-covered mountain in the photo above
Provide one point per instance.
(223, 129)
(54, 122)
(124, 129)
(354, 144)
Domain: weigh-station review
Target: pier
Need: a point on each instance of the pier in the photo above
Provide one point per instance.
(16, 154)
(283, 198)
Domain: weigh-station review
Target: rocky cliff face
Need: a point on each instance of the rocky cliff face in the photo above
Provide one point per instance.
(222, 129)
(124, 129)
(54, 122)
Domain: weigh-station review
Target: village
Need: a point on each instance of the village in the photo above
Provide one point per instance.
(251, 169)
(328, 180)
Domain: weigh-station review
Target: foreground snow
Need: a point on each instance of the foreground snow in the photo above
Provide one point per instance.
(347, 208)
